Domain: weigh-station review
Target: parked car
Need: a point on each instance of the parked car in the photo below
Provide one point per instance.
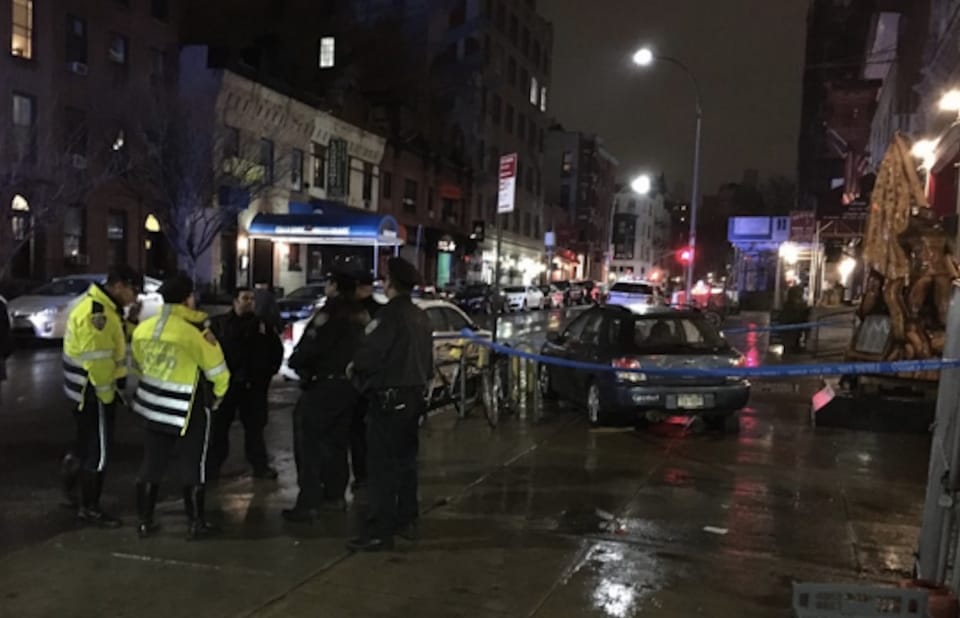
(522, 298)
(621, 339)
(591, 291)
(635, 295)
(43, 312)
(554, 296)
(302, 302)
(572, 294)
(447, 319)
(476, 298)
(576, 294)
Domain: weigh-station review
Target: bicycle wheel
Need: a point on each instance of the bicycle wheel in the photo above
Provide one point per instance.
(494, 391)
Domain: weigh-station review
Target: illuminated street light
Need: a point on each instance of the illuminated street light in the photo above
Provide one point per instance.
(641, 184)
(846, 268)
(644, 57)
(925, 150)
(790, 253)
(950, 102)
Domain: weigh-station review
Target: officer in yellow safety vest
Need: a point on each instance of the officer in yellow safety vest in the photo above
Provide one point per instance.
(94, 370)
(183, 377)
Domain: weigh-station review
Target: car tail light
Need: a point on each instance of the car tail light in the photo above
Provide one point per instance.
(628, 376)
(739, 361)
(287, 332)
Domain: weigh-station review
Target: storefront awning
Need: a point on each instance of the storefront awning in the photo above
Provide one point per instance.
(328, 226)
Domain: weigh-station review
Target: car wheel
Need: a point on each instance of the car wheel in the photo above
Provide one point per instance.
(525, 308)
(546, 387)
(593, 404)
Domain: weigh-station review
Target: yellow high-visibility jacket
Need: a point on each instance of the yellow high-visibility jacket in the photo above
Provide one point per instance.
(94, 347)
(181, 368)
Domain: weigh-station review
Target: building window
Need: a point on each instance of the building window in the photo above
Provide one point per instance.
(266, 160)
(534, 92)
(159, 9)
(21, 40)
(536, 53)
(524, 80)
(508, 119)
(495, 105)
(494, 160)
(543, 98)
(512, 71)
(319, 165)
(293, 258)
(231, 142)
(119, 48)
(74, 231)
(514, 29)
(24, 126)
(525, 41)
(75, 131)
(327, 52)
(386, 179)
(409, 195)
(296, 169)
(367, 181)
(564, 196)
(430, 202)
(116, 237)
(527, 227)
(566, 164)
(76, 39)
(522, 126)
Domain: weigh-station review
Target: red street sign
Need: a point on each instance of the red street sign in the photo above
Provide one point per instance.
(508, 183)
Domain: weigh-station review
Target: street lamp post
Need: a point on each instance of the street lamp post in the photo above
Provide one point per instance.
(644, 58)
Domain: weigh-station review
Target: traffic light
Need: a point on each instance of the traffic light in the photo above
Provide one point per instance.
(479, 231)
(685, 255)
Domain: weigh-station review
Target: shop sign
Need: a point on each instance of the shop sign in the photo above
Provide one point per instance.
(803, 226)
(508, 183)
(446, 245)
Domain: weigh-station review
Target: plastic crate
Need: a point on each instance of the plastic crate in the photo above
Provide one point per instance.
(850, 601)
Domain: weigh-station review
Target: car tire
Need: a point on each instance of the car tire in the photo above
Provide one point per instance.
(545, 383)
(594, 413)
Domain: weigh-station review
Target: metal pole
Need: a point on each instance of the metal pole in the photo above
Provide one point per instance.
(776, 283)
(496, 278)
(695, 195)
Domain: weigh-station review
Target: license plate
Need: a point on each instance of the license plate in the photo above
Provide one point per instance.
(689, 402)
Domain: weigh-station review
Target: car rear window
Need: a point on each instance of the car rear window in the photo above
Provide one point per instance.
(670, 335)
(632, 288)
(306, 292)
(514, 290)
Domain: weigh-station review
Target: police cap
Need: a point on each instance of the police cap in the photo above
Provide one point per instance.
(126, 275)
(403, 274)
(345, 279)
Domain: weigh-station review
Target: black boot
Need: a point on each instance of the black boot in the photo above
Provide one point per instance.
(146, 503)
(91, 484)
(69, 473)
(193, 504)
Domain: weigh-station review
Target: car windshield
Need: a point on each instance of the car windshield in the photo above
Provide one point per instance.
(514, 290)
(63, 287)
(632, 288)
(670, 335)
(308, 292)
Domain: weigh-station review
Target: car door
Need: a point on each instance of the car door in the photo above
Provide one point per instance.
(566, 346)
(586, 349)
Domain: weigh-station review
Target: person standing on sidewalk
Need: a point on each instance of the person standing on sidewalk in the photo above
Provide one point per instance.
(183, 377)
(322, 416)
(358, 425)
(393, 366)
(254, 354)
(94, 370)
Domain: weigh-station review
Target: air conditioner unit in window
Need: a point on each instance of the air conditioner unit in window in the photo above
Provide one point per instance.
(78, 161)
(79, 68)
(117, 56)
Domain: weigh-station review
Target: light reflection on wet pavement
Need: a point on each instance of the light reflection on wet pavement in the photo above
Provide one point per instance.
(550, 520)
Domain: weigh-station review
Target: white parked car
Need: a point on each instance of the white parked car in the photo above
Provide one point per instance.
(635, 295)
(43, 312)
(522, 298)
(447, 320)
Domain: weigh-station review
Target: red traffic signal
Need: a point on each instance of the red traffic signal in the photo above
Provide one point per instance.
(685, 255)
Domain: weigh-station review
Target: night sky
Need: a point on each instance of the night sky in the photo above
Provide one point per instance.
(747, 54)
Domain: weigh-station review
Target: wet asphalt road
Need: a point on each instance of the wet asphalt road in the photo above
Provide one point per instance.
(549, 519)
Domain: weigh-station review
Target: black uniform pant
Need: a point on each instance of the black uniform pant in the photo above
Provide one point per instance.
(250, 404)
(393, 442)
(94, 431)
(358, 441)
(159, 447)
(321, 428)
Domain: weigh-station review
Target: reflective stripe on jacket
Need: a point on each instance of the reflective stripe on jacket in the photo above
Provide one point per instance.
(179, 361)
(94, 347)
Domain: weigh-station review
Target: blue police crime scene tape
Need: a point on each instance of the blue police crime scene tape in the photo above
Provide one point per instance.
(769, 371)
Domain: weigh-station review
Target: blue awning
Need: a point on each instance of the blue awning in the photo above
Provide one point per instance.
(324, 224)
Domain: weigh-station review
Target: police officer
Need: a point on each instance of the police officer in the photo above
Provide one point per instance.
(94, 369)
(254, 354)
(358, 426)
(183, 377)
(324, 411)
(393, 366)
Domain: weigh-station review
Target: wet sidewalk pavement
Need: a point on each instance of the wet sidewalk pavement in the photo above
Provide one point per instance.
(548, 520)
